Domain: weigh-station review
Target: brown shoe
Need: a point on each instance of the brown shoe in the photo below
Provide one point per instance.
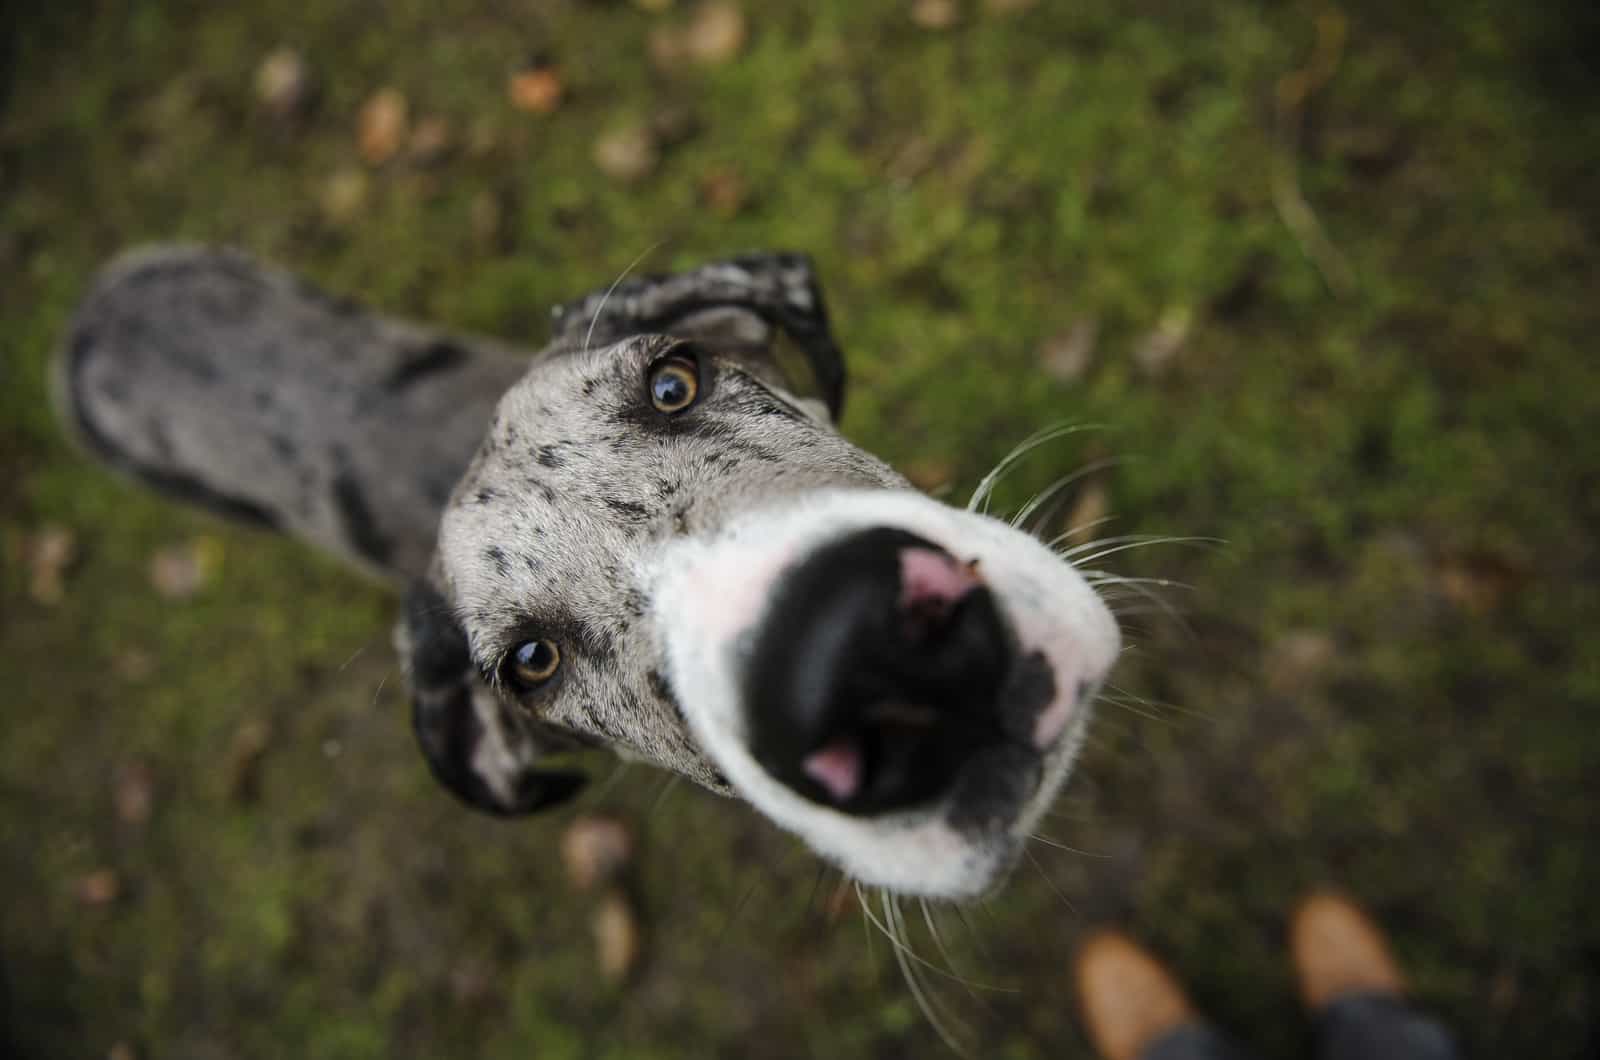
(1127, 997)
(1338, 950)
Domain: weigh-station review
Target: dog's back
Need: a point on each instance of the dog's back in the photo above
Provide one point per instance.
(223, 382)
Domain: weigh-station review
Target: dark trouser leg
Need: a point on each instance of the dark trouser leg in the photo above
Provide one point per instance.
(1380, 1027)
(1193, 1041)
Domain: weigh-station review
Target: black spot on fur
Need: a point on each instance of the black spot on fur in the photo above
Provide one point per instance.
(431, 359)
(550, 456)
(283, 445)
(355, 517)
(485, 495)
(496, 555)
(629, 510)
(544, 489)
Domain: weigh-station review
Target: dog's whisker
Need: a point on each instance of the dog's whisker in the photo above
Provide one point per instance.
(1154, 704)
(920, 992)
(816, 887)
(376, 692)
(613, 778)
(1098, 577)
(1124, 544)
(667, 788)
(1047, 841)
(601, 308)
(986, 485)
(1052, 491)
(1028, 853)
(354, 656)
(895, 939)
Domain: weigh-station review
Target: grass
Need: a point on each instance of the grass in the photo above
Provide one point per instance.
(1404, 476)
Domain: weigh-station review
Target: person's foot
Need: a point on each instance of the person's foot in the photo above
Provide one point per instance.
(1339, 950)
(1127, 997)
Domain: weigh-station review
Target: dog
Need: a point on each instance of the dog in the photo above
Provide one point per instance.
(648, 537)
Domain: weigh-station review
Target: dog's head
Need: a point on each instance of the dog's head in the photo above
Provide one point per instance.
(664, 548)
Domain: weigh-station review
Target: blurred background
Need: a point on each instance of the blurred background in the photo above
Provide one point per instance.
(1325, 272)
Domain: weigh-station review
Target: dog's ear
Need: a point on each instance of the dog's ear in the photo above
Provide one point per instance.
(475, 745)
(772, 291)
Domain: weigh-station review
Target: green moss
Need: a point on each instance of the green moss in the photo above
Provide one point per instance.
(968, 195)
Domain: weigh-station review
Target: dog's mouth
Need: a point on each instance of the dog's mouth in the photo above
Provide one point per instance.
(901, 684)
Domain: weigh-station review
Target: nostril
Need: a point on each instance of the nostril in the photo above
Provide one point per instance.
(838, 768)
(934, 581)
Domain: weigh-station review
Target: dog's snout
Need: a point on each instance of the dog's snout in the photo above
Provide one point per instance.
(874, 677)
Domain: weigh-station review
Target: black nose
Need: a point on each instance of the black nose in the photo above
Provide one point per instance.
(875, 676)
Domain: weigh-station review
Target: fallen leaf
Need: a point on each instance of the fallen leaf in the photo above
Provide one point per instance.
(431, 142)
(100, 887)
(1156, 353)
(284, 84)
(178, 572)
(930, 475)
(596, 849)
(935, 14)
(51, 553)
(616, 936)
(715, 34)
(1479, 581)
(1066, 356)
(382, 126)
(1296, 659)
(537, 89)
(344, 194)
(134, 792)
(628, 154)
(1083, 521)
(723, 191)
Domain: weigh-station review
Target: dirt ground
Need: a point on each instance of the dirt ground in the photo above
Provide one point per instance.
(1327, 276)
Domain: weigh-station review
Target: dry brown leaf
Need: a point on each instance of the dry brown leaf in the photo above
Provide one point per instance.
(616, 936)
(596, 849)
(935, 14)
(537, 90)
(628, 154)
(100, 887)
(382, 126)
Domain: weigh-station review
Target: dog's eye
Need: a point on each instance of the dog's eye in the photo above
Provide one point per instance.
(674, 383)
(532, 664)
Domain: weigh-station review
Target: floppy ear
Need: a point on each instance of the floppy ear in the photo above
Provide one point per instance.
(779, 290)
(475, 745)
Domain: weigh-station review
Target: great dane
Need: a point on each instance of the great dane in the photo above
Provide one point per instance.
(647, 536)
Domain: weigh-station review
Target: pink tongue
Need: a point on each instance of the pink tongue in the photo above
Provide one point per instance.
(929, 577)
(837, 767)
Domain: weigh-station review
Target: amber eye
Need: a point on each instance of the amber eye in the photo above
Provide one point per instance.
(532, 664)
(674, 383)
